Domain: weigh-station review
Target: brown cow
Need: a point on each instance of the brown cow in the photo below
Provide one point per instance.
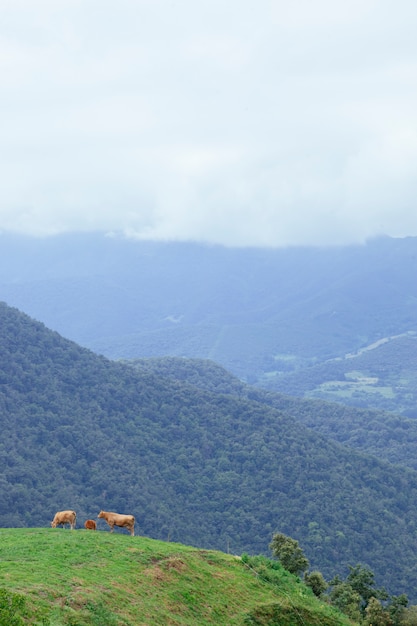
(90, 524)
(115, 519)
(64, 517)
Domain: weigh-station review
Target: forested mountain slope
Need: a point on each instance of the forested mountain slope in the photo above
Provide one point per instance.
(382, 434)
(196, 466)
(258, 312)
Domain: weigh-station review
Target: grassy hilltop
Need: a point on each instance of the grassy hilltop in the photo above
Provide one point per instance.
(82, 578)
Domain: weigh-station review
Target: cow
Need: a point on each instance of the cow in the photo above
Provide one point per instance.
(115, 519)
(64, 517)
(90, 524)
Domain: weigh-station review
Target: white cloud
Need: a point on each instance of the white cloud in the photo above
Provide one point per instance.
(272, 123)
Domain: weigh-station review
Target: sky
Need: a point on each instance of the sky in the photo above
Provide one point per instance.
(236, 122)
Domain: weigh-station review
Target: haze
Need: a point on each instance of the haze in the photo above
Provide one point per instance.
(240, 123)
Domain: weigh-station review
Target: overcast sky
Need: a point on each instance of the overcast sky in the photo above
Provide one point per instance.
(241, 122)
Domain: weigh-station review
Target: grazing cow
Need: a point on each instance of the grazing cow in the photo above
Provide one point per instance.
(115, 519)
(90, 524)
(64, 517)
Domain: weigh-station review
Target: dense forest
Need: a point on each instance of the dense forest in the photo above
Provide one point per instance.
(383, 434)
(200, 466)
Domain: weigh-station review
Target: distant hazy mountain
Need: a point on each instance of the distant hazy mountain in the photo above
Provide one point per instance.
(201, 466)
(382, 375)
(262, 313)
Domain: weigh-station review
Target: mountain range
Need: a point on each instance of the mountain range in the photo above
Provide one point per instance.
(334, 323)
(214, 467)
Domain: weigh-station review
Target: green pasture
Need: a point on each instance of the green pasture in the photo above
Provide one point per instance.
(83, 578)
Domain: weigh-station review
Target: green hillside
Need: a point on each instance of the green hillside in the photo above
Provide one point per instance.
(198, 466)
(84, 578)
(379, 433)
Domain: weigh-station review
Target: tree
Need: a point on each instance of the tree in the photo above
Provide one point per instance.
(361, 578)
(346, 599)
(376, 615)
(408, 617)
(289, 553)
(316, 582)
(397, 608)
(354, 595)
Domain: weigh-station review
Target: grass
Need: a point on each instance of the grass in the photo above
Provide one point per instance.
(84, 578)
